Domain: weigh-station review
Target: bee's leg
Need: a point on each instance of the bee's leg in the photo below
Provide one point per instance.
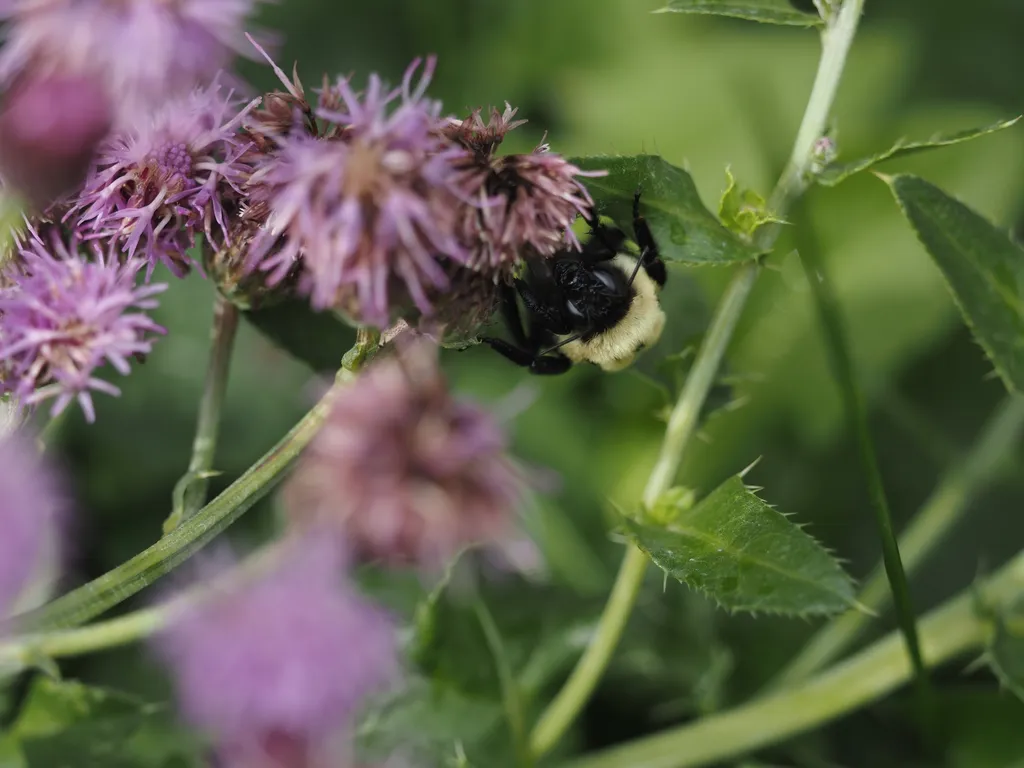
(522, 357)
(649, 254)
(510, 315)
(550, 364)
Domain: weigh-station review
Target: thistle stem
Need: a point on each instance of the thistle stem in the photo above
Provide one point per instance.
(941, 512)
(571, 699)
(117, 585)
(946, 633)
(21, 651)
(190, 491)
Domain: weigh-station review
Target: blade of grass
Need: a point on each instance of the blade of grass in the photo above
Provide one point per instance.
(841, 360)
(985, 462)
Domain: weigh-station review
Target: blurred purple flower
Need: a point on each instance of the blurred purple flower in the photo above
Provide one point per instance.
(403, 470)
(63, 316)
(524, 204)
(49, 129)
(171, 178)
(369, 209)
(277, 667)
(32, 508)
(144, 52)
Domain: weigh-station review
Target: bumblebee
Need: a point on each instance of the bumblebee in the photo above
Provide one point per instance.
(598, 305)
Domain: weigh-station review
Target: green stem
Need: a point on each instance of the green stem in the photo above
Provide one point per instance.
(836, 40)
(562, 711)
(21, 651)
(190, 491)
(841, 359)
(117, 585)
(125, 629)
(682, 423)
(930, 526)
(946, 633)
(510, 693)
(564, 708)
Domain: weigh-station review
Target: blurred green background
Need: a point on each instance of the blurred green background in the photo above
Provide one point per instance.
(608, 77)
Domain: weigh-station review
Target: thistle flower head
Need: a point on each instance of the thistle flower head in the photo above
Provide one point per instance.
(49, 129)
(32, 508)
(277, 666)
(480, 137)
(369, 208)
(158, 186)
(524, 204)
(63, 316)
(280, 111)
(144, 52)
(406, 472)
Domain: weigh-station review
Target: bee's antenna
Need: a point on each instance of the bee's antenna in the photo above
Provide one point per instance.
(562, 343)
(639, 263)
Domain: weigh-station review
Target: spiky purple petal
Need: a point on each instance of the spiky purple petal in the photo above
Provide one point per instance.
(368, 209)
(283, 661)
(64, 316)
(160, 185)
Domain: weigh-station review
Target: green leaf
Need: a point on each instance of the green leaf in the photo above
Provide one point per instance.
(745, 555)
(71, 725)
(764, 11)
(983, 268)
(684, 229)
(743, 210)
(835, 172)
(318, 339)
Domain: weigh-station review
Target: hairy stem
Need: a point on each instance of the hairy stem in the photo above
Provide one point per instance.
(562, 711)
(190, 492)
(564, 708)
(940, 513)
(841, 359)
(22, 651)
(117, 585)
(946, 633)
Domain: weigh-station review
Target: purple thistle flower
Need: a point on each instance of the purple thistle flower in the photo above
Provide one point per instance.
(480, 137)
(62, 317)
(144, 52)
(49, 129)
(275, 668)
(524, 204)
(403, 470)
(154, 189)
(32, 508)
(369, 209)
